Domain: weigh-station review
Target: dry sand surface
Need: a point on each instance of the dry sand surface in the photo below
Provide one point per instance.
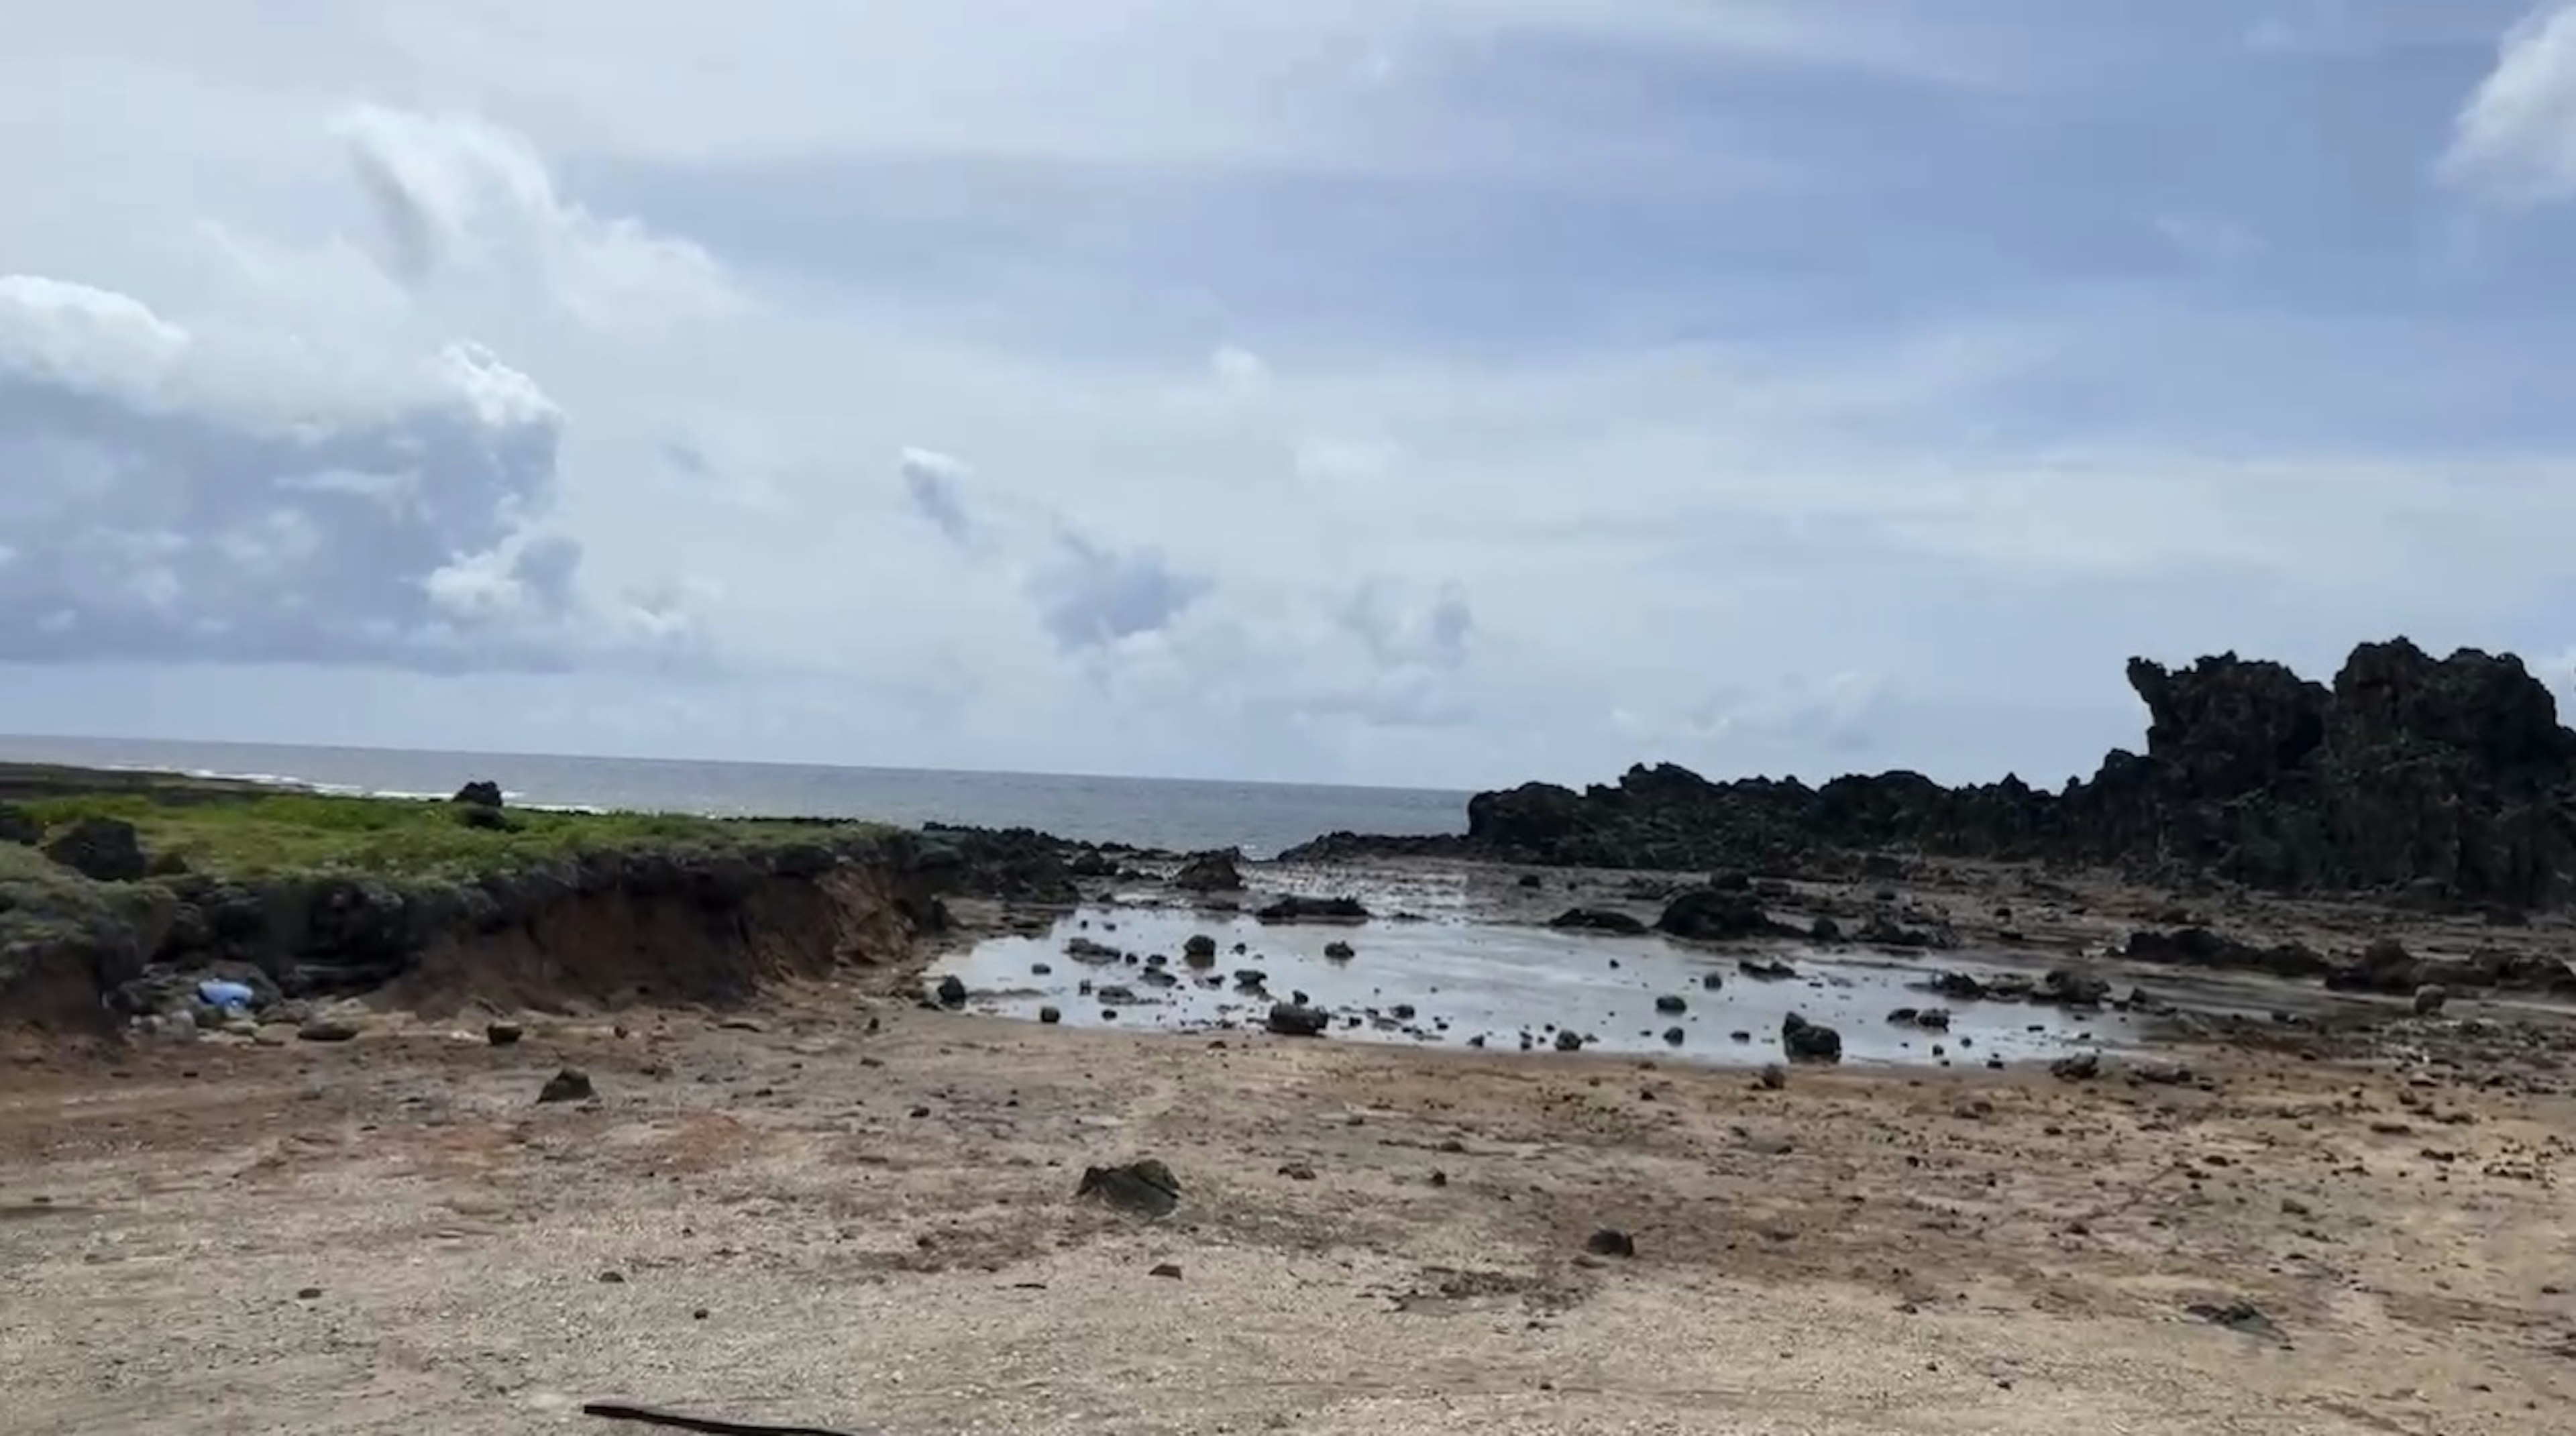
(806, 1220)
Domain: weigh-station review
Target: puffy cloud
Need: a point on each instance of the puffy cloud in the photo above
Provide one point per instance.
(152, 513)
(454, 196)
(2515, 139)
(1091, 595)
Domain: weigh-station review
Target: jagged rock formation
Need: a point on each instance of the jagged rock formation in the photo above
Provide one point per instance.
(2446, 781)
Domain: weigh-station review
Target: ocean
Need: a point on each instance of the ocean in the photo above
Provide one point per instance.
(1182, 814)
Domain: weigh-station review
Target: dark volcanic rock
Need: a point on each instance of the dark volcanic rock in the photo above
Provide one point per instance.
(103, 850)
(571, 1084)
(1014, 864)
(1296, 1019)
(1211, 873)
(2384, 966)
(2448, 780)
(1806, 1041)
(1314, 909)
(1598, 919)
(1611, 1242)
(481, 793)
(1146, 1187)
(2200, 947)
(1712, 915)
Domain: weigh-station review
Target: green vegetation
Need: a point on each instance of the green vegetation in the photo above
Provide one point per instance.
(251, 835)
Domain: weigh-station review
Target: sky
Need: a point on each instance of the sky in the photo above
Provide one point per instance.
(1423, 392)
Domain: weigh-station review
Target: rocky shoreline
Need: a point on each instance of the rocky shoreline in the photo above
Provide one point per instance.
(2448, 784)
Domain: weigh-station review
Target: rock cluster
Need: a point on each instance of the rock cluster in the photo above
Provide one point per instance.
(2449, 781)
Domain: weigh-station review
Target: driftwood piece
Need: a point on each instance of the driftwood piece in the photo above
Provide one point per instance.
(713, 1425)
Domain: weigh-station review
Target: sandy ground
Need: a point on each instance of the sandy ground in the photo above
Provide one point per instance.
(877, 1231)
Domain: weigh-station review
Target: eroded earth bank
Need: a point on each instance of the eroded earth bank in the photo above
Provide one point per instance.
(2283, 1153)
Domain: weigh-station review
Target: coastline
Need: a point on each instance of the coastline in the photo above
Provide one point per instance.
(2291, 1166)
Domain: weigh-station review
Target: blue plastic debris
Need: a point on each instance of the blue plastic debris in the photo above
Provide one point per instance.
(230, 996)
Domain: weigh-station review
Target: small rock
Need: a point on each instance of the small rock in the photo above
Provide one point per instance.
(310, 1293)
(501, 1034)
(1611, 1242)
(1166, 1270)
(1297, 1171)
(2241, 1316)
(1670, 1004)
(1569, 1040)
(1144, 1186)
(1711, 981)
(1675, 1036)
(1340, 951)
(1773, 1077)
(327, 1029)
(1050, 1014)
(1199, 951)
(568, 1085)
(613, 1278)
(952, 991)
(2430, 998)
(2079, 1067)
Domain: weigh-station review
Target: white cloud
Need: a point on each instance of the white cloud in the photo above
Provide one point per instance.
(159, 518)
(71, 334)
(2515, 138)
(455, 198)
(931, 480)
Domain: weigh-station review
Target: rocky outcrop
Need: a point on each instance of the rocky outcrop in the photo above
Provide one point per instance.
(1211, 873)
(106, 850)
(2448, 781)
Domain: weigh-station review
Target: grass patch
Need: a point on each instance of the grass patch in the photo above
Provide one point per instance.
(278, 833)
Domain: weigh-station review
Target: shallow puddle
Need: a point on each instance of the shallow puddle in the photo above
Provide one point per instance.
(1447, 983)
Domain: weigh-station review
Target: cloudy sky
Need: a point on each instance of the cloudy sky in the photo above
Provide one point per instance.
(1431, 392)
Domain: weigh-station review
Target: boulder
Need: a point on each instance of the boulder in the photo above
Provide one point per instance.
(2072, 987)
(1597, 919)
(481, 793)
(1199, 951)
(106, 850)
(1806, 1041)
(2384, 966)
(1214, 872)
(1296, 1019)
(1710, 915)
